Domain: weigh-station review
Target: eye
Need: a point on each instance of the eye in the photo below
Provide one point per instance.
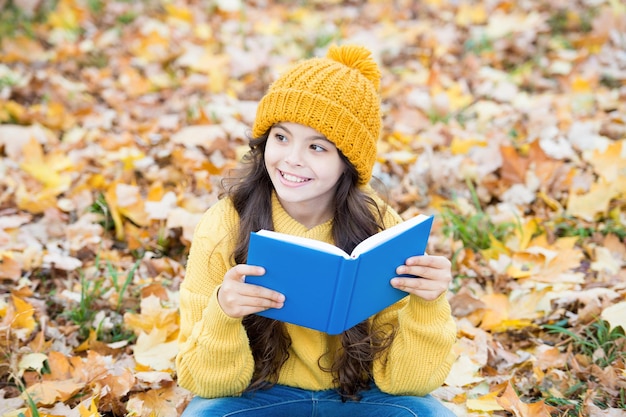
(317, 148)
(280, 137)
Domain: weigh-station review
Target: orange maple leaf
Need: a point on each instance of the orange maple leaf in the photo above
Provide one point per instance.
(510, 401)
(164, 402)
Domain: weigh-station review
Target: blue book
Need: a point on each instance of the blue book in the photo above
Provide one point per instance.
(327, 289)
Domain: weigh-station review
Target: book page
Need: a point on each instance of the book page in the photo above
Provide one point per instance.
(383, 236)
(306, 242)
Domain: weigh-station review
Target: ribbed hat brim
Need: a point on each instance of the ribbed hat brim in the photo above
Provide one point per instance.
(337, 124)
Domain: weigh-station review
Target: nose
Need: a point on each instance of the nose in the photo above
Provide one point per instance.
(294, 156)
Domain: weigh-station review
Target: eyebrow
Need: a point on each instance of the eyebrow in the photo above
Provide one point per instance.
(322, 137)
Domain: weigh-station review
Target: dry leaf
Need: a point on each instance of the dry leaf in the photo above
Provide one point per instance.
(615, 315)
(166, 402)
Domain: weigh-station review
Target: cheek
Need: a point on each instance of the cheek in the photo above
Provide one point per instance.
(333, 172)
(269, 157)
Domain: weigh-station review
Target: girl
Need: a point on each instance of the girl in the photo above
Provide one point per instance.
(307, 174)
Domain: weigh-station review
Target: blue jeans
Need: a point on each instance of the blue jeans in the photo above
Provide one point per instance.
(281, 400)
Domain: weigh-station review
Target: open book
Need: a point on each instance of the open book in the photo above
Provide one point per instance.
(327, 289)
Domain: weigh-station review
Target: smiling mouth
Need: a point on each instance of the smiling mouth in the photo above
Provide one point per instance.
(293, 178)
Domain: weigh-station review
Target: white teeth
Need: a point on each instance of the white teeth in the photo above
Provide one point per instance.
(292, 178)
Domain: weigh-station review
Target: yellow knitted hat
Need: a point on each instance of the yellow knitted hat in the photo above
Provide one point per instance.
(336, 95)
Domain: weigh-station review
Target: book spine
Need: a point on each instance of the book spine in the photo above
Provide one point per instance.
(344, 287)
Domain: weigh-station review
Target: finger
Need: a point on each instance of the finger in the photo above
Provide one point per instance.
(437, 262)
(417, 284)
(428, 290)
(240, 299)
(429, 267)
(260, 292)
(425, 272)
(245, 310)
(239, 272)
(258, 304)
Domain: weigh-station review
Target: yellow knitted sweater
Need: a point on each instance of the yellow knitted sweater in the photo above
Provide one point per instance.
(215, 359)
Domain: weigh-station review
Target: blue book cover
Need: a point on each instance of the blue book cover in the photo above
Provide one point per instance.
(327, 289)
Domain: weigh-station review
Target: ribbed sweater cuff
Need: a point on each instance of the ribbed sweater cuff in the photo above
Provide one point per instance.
(428, 312)
(216, 325)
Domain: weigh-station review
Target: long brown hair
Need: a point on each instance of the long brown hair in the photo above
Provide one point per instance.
(356, 217)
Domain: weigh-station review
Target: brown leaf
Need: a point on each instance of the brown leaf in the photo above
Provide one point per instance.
(166, 402)
(511, 402)
(10, 268)
(514, 166)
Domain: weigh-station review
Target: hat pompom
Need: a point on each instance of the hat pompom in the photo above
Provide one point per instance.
(357, 57)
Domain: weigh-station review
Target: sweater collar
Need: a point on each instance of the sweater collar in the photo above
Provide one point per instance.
(284, 223)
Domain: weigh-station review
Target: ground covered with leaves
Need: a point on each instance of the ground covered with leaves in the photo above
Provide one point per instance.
(507, 120)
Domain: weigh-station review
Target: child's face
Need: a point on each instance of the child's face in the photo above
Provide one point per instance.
(304, 167)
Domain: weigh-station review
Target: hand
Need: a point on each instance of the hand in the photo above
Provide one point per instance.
(433, 275)
(239, 299)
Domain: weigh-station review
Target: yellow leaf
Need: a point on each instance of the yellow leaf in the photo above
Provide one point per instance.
(92, 411)
(179, 13)
(219, 73)
(526, 264)
(464, 371)
(49, 392)
(611, 163)
(33, 361)
(581, 85)
(97, 181)
(496, 248)
(511, 324)
(53, 115)
(471, 14)
(156, 191)
(203, 31)
(496, 312)
(86, 345)
(153, 315)
(24, 313)
(615, 315)
(152, 350)
(35, 201)
(22, 49)
(128, 156)
(560, 259)
(487, 402)
(596, 200)
(399, 157)
(550, 202)
(516, 272)
(529, 229)
(153, 46)
(125, 201)
(463, 146)
(133, 83)
(33, 155)
(605, 261)
(45, 168)
(66, 15)
(458, 99)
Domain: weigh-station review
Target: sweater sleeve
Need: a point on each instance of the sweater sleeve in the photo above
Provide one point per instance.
(420, 356)
(214, 358)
